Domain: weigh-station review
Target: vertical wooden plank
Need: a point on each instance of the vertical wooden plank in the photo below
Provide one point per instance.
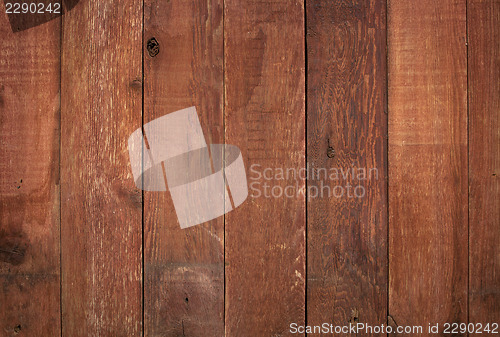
(101, 214)
(265, 117)
(347, 222)
(484, 160)
(29, 179)
(427, 162)
(184, 268)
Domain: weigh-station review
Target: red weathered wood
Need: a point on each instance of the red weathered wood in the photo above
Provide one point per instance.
(347, 221)
(428, 259)
(484, 161)
(265, 117)
(101, 209)
(184, 268)
(29, 179)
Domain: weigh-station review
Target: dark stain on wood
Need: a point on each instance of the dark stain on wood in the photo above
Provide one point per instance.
(250, 65)
(13, 246)
(130, 196)
(136, 84)
(2, 93)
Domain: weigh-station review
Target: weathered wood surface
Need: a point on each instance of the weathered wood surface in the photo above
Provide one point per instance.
(184, 268)
(29, 179)
(484, 161)
(101, 209)
(427, 74)
(265, 117)
(421, 244)
(347, 217)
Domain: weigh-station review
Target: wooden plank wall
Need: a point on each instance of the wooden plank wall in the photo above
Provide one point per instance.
(407, 91)
(265, 117)
(427, 74)
(29, 178)
(347, 230)
(101, 213)
(483, 19)
(184, 268)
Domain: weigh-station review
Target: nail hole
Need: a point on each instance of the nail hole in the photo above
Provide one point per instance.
(330, 152)
(354, 316)
(17, 328)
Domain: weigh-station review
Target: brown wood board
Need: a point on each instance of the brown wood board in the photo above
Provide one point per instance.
(265, 117)
(101, 232)
(427, 73)
(184, 268)
(29, 179)
(484, 161)
(347, 208)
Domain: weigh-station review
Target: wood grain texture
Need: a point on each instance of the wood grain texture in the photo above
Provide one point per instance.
(265, 117)
(427, 162)
(29, 180)
(347, 215)
(101, 210)
(184, 268)
(484, 160)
